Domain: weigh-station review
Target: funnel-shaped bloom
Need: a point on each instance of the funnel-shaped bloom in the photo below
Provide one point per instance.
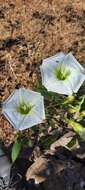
(62, 74)
(24, 108)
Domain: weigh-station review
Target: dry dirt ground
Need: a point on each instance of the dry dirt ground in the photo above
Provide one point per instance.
(31, 30)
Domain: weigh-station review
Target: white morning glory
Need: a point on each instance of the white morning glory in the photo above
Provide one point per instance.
(62, 74)
(24, 108)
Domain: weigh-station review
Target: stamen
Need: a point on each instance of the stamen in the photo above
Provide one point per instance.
(61, 72)
(24, 108)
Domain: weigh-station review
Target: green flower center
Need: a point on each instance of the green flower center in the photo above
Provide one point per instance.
(61, 72)
(24, 108)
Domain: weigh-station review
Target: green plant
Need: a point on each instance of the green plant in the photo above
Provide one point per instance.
(16, 149)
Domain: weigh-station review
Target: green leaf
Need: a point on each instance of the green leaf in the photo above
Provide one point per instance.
(82, 103)
(73, 109)
(77, 127)
(16, 149)
(82, 135)
(69, 99)
(72, 143)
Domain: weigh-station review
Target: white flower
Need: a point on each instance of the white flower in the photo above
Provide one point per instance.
(24, 108)
(62, 74)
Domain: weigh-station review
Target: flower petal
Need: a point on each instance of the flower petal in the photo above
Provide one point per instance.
(63, 86)
(55, 58)
(35, 117)
(70, 61)
(11, 101)
(23, 121)
(52, 62)
(29, 96)
(76, 80)
(30, 121)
